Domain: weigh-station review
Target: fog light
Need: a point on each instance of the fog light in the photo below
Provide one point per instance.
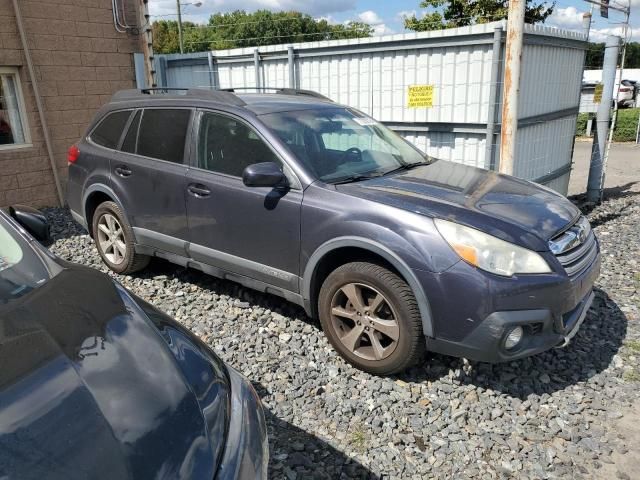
(513, 338)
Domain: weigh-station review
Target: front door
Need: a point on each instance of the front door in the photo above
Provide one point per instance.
(250, 231)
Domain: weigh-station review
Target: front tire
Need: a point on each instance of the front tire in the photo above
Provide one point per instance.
(114, 240)
(371, 317)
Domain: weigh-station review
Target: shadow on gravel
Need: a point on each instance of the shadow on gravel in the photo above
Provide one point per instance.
(294, 453)
(590, 352)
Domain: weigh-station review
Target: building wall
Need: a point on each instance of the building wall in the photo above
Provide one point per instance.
(80, 60)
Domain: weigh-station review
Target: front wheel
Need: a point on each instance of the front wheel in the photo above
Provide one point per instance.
(114, 240)
(371, 317)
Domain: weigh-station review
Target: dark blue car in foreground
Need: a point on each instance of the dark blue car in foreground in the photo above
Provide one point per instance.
(97, 384)
(289, 193)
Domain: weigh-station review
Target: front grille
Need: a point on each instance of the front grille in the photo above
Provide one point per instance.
(576, 248)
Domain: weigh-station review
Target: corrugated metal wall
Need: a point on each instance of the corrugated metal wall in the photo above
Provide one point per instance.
(374, 75)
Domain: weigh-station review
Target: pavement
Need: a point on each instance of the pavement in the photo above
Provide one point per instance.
(622, 169)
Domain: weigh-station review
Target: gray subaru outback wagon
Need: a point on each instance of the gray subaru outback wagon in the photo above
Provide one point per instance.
(288, 193)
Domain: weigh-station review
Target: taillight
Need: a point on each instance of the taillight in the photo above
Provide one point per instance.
(72, 154)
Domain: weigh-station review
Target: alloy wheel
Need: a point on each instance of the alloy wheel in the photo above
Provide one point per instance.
(111, 239)
(364, 321)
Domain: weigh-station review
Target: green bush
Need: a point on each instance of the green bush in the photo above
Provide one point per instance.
(581, 126)
(626, 124)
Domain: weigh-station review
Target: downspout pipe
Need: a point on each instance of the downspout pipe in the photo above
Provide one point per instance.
(36, 93)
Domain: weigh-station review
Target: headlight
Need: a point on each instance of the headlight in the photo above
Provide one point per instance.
(490, 253)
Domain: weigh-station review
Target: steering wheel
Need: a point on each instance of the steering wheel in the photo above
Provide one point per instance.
(355, 151)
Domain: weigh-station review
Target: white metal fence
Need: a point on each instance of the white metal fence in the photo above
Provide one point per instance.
(464, 66)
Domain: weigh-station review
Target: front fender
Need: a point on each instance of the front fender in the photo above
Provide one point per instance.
(384, 252)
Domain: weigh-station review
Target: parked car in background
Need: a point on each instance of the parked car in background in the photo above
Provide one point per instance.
(628, 93)
(291, 194)
(96, 383)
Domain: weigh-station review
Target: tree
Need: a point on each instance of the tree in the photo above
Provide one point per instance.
(242, 29)
(460, 13)
(595, 56)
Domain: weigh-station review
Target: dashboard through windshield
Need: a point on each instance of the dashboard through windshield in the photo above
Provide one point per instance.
(339, 144)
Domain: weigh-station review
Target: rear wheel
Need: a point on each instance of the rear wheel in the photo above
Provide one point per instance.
(114, 240)
(371, 318)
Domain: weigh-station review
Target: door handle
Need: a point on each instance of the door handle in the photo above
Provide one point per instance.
(198, 190)
(123, 171)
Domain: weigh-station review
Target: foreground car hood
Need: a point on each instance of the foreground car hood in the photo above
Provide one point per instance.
(473, 196)
(89, 389)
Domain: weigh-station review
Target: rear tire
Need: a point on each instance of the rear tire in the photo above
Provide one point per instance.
(371, 317)
(115, 241)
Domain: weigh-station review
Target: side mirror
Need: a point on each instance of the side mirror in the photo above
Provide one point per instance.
(32, 220)
(266, 174)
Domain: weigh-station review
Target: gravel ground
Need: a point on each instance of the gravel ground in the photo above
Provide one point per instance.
(550, 416)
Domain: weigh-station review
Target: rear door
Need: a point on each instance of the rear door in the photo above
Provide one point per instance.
(250, 231)
(149, 175)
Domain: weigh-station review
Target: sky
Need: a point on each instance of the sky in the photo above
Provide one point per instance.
(387, 17)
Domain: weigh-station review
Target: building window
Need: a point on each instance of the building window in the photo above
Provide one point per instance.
(13, 122)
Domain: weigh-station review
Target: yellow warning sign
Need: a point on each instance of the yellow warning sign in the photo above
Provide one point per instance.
(597, 94)
(421, 96)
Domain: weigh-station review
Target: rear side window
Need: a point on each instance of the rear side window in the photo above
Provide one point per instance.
(129, 143)
(162, 134)
(108, 132)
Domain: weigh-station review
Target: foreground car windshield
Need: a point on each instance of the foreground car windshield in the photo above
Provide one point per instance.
(339, 144)
(21, 270)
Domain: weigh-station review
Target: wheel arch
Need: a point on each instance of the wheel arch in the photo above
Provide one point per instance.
(93, 197)
(325, 256)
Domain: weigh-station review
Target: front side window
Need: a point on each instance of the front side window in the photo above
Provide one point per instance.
(340, 143)
(162, 133)
(21, 270)
(13, 126)
(109, 130)
(228, 146)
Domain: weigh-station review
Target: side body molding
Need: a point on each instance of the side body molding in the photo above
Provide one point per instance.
(384, 252)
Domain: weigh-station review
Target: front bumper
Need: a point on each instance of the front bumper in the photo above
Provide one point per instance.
(485, 343)
(246, 453)
(550, 308)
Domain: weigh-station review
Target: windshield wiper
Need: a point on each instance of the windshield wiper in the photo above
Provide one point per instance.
(356, 178)
(406, 166)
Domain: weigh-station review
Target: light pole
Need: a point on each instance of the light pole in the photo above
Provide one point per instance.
(180, 5)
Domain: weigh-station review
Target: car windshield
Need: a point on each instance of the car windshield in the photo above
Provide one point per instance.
(342, 144)
(21, 269)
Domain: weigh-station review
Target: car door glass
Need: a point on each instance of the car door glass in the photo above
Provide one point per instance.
(129, 143)
(108, 132)
(162, 134)
(228, 146)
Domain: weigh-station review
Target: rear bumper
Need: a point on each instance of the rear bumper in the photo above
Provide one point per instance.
(246, 453)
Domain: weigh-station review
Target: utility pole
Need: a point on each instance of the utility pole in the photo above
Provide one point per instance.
(604, 130)
(511, 88)
(146, 38)
(596, 168)
(180, 26)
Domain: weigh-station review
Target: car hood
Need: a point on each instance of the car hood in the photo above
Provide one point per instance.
(90, 389)
(509, 208)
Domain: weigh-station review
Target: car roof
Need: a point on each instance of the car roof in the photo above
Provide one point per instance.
(281, 100)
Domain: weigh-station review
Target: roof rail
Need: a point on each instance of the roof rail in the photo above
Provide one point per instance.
(281, 91)
(299, 91)
(215, 95)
